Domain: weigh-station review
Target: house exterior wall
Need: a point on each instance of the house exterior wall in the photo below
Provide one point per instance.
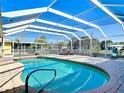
(7, 48)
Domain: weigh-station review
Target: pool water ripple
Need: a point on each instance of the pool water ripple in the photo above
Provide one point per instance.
(71, 77)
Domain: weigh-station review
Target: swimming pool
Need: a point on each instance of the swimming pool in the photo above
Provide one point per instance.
(71, 77)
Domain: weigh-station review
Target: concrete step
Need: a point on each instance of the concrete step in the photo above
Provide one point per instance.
(9, 75)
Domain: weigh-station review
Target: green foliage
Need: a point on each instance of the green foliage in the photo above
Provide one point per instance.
(17, 40)
(108, 42)
(41, 39)
(61, 44)
(32, 47)
(85, 43)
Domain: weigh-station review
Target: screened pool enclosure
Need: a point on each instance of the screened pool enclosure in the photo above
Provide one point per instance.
(85, 27)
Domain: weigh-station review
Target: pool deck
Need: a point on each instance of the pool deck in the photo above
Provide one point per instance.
(10, 72)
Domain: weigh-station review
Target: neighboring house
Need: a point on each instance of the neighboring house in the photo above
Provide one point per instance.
(116, 46)
(10, 46)
(7, 48)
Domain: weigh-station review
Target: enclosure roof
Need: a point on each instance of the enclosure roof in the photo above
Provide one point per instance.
(60, 15)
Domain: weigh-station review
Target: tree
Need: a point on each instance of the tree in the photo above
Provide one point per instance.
(18, 41)
(122, 43)
(103, 45)
(42, 40)
(60, 45)
(85, 43)
(107, 44)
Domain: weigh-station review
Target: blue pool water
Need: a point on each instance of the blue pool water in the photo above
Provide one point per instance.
(71, 77)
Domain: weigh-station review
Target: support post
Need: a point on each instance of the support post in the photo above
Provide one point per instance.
(71, 45)
(3, 50)
(47, 48)
(21, 49)
(13, 47)
(35, 47)
(105, 40)
(41, 49)
(80, 46)
(57, 48)
(105, 47)
(24, 48)
(91, 46)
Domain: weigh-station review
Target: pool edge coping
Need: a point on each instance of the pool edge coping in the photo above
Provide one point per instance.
(111, 83)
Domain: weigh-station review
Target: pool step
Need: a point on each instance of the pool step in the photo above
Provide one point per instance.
(10, 76)
(10, 66)
(73, 80)
(5, 61)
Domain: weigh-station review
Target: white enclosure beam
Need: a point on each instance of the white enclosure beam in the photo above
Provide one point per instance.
(88, 10)
(120, 16)
(122, 26)
(24, 12)
(48, 9)
(15, 29)
(67, 37)
(18, 23)
(102, 32)
(52, 3)
(70, 42)
(115, 5)
(96, 2)
(55, 30)
(39, 31)
(99, 19)
(51, 33)
(45, 9)
(11, 33)
(71, 17)
(64, 26)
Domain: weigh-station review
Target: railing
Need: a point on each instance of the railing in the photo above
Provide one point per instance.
(40, 52)
(28, 76)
